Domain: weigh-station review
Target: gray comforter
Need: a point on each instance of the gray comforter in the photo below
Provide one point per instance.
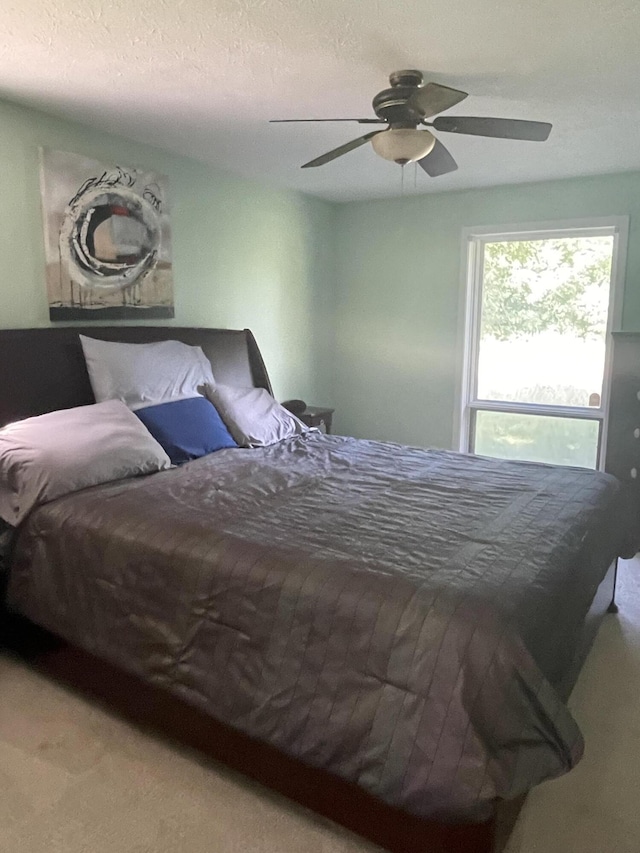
(396, 616)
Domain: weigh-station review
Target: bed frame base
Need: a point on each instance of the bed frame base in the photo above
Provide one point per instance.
(155, 709)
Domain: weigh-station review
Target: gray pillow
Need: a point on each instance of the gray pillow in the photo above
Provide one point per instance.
(51, 455)
(252, 416)
(145, 374)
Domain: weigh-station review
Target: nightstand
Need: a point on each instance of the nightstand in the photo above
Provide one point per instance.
(317, 416)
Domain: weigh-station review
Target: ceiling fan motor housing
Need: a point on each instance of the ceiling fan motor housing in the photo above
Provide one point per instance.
(409, 77)
(391, 104)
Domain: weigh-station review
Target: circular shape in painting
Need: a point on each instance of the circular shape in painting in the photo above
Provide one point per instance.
(112, 237)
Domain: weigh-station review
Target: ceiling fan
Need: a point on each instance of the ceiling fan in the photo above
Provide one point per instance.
(405, 106)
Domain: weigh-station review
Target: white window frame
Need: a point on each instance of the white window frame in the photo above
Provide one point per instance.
(472, 263)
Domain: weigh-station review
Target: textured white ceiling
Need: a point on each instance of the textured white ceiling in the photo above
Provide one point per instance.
(202, 77)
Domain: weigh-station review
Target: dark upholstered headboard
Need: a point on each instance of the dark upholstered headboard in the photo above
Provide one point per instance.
(42, 370)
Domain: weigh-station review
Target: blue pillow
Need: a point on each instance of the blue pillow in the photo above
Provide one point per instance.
(186, 429)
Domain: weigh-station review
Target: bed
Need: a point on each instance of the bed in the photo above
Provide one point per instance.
(387, 634)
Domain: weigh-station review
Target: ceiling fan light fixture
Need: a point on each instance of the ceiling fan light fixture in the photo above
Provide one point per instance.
(403, 144)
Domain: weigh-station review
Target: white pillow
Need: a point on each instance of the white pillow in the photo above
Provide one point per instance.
(51, 455)
(252, 416)
(145, 374)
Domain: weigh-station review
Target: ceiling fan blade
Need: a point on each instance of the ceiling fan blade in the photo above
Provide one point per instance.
(433, 98)
(343, 149)
(438, 161)
(500, 128)
(359, 120)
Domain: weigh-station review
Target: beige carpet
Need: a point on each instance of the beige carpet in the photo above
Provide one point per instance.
(73, 779)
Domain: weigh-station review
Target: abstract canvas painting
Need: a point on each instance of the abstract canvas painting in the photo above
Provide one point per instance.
(107, 240)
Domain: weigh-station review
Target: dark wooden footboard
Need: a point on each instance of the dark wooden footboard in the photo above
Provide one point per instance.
(345, 803)
(155, 709)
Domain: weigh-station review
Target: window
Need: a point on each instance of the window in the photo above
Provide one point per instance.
(540, 304)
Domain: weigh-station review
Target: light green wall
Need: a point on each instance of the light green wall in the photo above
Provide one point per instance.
(398, 288)
(353, 305)
(245, 255)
